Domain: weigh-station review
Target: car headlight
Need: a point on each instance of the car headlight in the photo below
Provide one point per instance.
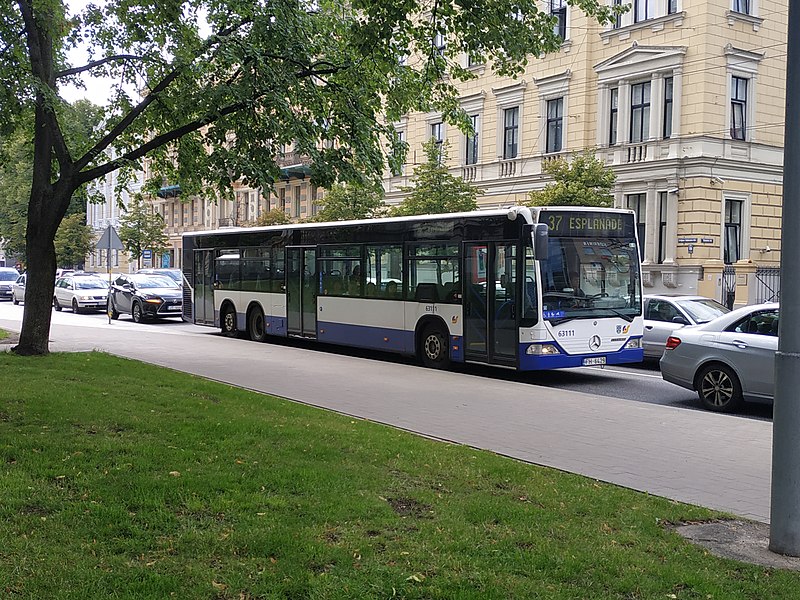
(542, 349)
(84, 298)
(633, 344)
(153, 300)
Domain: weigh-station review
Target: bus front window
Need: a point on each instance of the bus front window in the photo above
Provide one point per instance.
(588, 278)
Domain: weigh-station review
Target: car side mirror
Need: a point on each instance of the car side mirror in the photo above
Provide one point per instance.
(127, 286)
(680, 320)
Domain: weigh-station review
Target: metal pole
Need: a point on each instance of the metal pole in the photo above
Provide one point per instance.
(108, 270)
(784, 534)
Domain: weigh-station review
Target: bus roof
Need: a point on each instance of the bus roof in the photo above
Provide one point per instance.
(510, 210)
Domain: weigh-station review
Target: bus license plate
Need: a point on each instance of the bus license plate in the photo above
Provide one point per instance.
(594, 360)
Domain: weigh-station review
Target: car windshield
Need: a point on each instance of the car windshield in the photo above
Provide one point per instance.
(154, 281)
(703, 310)
(89, 283)
(174, 275)
(8, 275)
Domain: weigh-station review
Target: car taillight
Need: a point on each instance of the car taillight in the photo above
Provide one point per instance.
(673, 342)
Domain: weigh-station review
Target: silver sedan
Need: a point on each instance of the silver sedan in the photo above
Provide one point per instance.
(728, 360)
(666, 313)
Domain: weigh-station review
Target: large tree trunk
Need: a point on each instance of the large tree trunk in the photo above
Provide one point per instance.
(35, 335)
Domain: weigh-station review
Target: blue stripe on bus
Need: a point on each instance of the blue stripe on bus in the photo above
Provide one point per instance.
(393, 340)
(532, 362)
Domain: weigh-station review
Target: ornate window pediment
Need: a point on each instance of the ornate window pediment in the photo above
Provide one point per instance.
(640, 61)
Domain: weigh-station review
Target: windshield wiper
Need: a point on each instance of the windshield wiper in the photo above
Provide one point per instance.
(628, 318)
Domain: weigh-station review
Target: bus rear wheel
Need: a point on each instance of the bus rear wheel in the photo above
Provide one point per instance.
(228, 321)
(434, 349)
(255, 325)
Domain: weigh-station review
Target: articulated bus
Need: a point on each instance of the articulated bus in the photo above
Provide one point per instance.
(525, 288)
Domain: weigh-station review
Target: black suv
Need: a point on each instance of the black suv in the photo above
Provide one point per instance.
(144, 296)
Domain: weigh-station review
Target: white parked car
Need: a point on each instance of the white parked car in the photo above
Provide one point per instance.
(8, 276)
(18, 289)
(666, 313)
(81, 292)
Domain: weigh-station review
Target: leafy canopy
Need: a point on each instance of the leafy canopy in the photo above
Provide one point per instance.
(583, 182)
(345, 202)
(435, 190)
(142, 229)
(74, 240)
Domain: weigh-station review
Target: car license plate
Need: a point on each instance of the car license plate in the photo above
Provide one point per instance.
(174, 307)
(594, 360)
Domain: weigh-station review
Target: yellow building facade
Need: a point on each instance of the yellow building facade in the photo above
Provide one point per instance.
(683, 99)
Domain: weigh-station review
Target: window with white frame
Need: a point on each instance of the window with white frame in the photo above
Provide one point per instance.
(618, 17)
(732, 233)
(437, 135)
(558, 10)
(638, 204)
(439, 43)
(510, 132)
(662, 227)
(613, 120)
(555, 125)
(643, 10)
(296, 202)
(400, 138)
(640, 112)
(742, 6)
(672, 7)
(666, 129)
(471, 141)
(738, 107)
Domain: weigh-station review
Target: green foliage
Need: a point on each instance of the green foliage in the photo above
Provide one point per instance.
(435, 190)
(583, 182)
(142, 229)
(276, 216)
(345, 202)
(73, 241)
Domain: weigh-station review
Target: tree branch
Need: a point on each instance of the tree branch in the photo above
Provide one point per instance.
(128, 119)
(159, 141)
(97, 63)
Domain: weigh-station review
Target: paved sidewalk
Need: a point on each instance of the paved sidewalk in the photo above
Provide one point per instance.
(718, 461)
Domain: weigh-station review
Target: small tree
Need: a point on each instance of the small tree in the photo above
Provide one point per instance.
(584, 182)
(276, 216)
(73, 241)
(435, 190)
(141, 229)
(346, 202)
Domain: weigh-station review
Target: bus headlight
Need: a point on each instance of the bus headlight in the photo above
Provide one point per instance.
(542, 349)
(633, 344)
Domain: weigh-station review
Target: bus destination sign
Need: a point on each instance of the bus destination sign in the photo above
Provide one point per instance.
(588, 224)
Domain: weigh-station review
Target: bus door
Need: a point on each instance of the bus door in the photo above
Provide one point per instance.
(203, 287)
(301, 291)
(490, 302)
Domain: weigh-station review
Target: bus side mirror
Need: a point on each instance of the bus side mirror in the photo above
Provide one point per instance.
(540, 234)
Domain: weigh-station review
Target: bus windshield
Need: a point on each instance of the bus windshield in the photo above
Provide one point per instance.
(586, 278)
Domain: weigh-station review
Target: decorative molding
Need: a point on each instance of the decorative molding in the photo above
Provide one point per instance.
(640, 61)
(474, 102)
(510, 95)
(734, 17)
(553, 86)
(656, 24)
(742, 60)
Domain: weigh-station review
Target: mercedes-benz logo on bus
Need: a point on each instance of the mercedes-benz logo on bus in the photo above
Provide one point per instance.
(594, 343)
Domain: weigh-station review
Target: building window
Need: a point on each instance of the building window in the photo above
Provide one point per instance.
(742, 6)
(637, 203)
(733, 231)
(672, 7)
(662, 226)
(642, 10)
(558, 9)
(618, 16)
(472, 142)
(738, 107)
(439, 43)
(555, 125)
(613, 120)
(640, 112)
(510, 132)
(314, 203)
(282, 199)
(437, 134)
(667, 127)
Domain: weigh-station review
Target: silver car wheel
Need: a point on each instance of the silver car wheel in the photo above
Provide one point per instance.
(719, 389)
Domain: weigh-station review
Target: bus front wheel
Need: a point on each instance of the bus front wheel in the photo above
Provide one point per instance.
(434, 349)
(255, 325)
(228, 321)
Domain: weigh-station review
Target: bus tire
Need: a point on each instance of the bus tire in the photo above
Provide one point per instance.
(256, 325)
(227, 321)
(434, 347)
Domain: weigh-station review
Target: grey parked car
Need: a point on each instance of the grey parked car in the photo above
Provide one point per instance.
(665, 313)
(8, 276)
(728, 360)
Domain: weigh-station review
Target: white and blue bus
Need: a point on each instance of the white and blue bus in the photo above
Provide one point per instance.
(527, 288)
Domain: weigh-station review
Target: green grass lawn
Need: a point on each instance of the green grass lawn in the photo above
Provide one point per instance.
(122, 480)
(3, 334)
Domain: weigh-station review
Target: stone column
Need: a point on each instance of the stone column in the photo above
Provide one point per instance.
(656, 105)
(624, 113)
(745, 283)
(711, 284)
(603, 114)
(677, 101)
(651, 215)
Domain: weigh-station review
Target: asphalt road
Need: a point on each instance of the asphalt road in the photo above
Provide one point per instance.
(637, 383)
